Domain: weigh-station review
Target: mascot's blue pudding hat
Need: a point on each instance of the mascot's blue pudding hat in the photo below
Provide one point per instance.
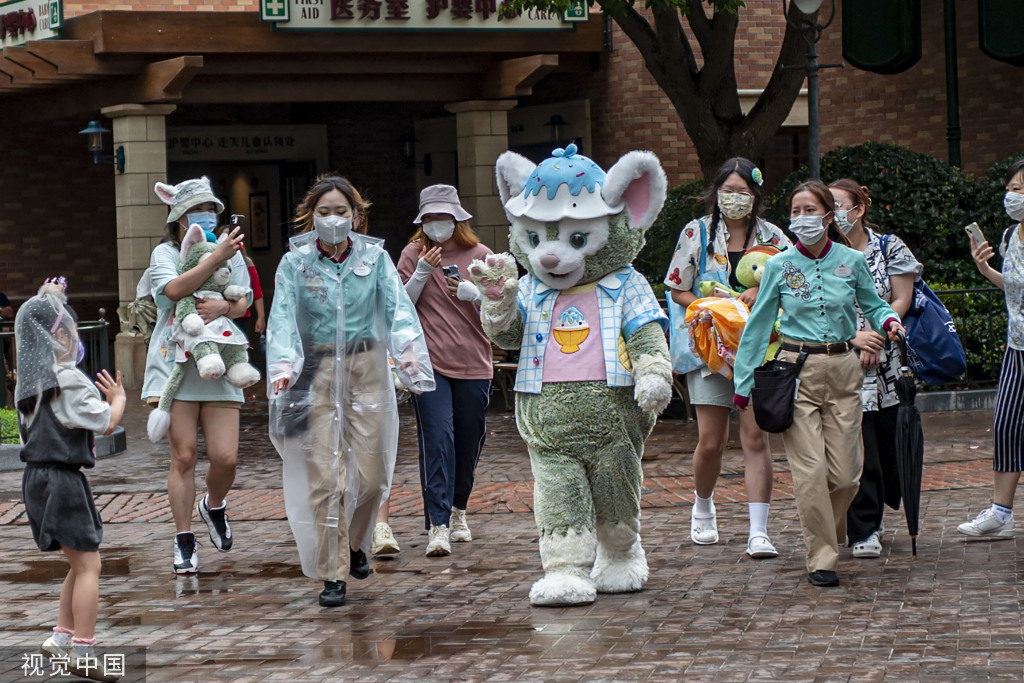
(566, 185)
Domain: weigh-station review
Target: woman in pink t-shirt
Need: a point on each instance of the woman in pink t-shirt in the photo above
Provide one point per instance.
(452, 418)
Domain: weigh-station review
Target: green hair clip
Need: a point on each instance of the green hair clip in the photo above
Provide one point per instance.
(756, 176)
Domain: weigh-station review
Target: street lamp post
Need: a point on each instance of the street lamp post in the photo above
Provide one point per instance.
(806, 20)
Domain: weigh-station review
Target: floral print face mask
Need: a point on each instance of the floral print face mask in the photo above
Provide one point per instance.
(735, 205)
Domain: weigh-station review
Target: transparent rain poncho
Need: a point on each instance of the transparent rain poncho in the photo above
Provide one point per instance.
(330, 330)
(46, 336)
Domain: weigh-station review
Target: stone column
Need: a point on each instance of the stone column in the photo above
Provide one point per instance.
(482, 134)
(141, 217)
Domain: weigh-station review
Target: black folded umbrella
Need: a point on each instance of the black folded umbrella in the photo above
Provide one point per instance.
(909, 446)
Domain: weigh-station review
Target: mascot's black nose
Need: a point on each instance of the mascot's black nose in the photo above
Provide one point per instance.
(549, 261)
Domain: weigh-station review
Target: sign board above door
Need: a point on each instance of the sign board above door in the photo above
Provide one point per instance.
(412, 15)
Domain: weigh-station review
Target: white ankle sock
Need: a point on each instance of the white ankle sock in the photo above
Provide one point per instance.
(703, 506)
(1002, 512)
(62, 636)
(758, 513)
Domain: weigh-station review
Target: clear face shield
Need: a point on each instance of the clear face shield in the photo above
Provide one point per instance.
(46, 336)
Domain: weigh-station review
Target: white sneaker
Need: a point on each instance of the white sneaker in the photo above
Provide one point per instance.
(384, 542)
(703, 527)
(869, 547)
(460, 530)
(51, 648)
(760, 547)
(85, 662)
(186, 560)
(439, 544)
(987, 524)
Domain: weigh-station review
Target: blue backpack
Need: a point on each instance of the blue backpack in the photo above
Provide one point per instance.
(934, 351)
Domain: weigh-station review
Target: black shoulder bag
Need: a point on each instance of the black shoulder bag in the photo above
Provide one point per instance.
(775, 385)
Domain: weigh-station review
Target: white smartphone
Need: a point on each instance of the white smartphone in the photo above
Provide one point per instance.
(974, 231)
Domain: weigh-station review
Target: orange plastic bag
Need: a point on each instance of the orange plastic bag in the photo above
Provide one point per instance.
(716, 324)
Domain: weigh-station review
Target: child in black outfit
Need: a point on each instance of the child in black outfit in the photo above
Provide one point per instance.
(58, 411)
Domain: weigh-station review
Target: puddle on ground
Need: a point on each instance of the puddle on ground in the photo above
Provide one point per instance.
(40, 571)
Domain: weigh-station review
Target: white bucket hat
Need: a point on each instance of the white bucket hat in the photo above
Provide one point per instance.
(441, 199)
(185, 195)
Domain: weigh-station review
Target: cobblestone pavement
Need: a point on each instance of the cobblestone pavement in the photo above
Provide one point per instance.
(708, 613)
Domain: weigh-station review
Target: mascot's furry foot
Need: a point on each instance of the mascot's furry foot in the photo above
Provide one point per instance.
(562, 589)
(210, 367)
(243, 375)
(620, 572)
(158, 424)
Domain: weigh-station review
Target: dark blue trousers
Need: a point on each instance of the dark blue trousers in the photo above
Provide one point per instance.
(452, 423)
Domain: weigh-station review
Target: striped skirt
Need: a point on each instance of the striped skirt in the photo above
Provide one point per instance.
(1008, 421)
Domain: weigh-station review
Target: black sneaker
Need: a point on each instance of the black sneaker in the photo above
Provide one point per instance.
(333, 594)
(358, 565)
(217, 520)
(185, 559)
(823, 577)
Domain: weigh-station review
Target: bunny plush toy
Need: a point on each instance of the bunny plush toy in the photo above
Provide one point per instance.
(215, 347)
(594, 368)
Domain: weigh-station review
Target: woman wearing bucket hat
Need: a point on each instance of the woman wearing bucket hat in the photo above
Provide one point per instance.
(452, 417)
(214, 404)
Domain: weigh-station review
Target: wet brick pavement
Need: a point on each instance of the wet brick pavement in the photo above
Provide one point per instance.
(708, 613)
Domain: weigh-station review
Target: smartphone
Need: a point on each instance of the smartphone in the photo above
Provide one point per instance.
(236, 220)
(974, 231)
(451, 271)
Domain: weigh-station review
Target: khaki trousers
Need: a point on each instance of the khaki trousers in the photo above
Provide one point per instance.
(825, 451)
(363, 440)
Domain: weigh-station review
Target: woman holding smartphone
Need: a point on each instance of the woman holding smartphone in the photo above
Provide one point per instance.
(451, 418)
(996, 521)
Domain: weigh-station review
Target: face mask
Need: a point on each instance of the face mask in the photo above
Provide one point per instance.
(332, 229)
(735, 205)
(1014, 203)
(843, 220)
(207, 220)
(439, 231)
(808, 229)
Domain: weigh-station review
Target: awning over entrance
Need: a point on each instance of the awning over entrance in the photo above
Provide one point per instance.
(107, 58)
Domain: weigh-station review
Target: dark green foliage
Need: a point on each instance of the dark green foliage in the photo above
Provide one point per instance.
(924, 200)
(681, 206)
(9, 426)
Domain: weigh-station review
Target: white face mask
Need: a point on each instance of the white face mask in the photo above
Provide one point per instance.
(439, 231)
(1014, 204)
(808, 229)
(332, 229)
(843, 220)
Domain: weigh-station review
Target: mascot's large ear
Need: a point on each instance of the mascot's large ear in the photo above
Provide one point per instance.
(195, 235)
(638, 181)
(166, 193)
(512, 171)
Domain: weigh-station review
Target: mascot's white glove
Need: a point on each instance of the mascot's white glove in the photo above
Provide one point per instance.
(653, 378)
(498, 280)
(467, 291)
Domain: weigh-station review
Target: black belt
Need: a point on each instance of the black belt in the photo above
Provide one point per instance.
(359, 346)
(832, 349)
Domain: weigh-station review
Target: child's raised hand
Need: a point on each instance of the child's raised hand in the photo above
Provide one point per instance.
(108, 385)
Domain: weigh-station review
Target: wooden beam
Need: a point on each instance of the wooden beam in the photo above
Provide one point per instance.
(516, 77)
(302, 65)
(143, 32)
(399, 88)
(164, 81)
(75, 57)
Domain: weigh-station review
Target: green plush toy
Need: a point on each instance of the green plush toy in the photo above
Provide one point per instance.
(594, 368)
(215, 347)
(751, 267)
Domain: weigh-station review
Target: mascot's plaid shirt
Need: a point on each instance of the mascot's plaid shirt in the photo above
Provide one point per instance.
(626, 302)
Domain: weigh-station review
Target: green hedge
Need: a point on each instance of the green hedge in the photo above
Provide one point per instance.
(681, 206)
(8, 426)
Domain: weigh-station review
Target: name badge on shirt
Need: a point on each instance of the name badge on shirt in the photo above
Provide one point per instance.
(362, 270)
(843, 271)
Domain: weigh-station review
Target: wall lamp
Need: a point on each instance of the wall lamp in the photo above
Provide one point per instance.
(95, 132)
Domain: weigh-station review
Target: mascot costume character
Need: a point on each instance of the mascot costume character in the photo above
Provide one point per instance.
(594, 368)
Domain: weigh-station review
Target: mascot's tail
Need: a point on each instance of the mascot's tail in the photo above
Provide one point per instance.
(160, 418)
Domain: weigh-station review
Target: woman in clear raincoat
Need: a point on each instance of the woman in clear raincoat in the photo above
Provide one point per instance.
(339, 309)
